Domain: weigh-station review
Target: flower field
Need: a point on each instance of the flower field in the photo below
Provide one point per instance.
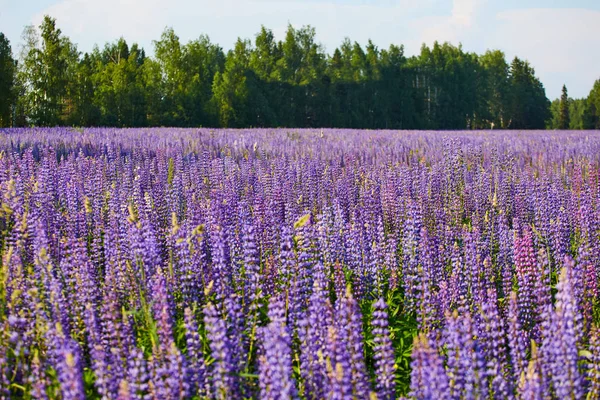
(299, 264)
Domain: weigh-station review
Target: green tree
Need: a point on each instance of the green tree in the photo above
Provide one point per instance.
(564, 120)
(396, 88)
(153, 87)
(446, 82)
(554, 121)
(302, 60)
(8, 69)
(28, 67)
(342, 65)
(265, 55)
(53, 82)
(169, 54)
(495, 89)
(56, 57)
(576, 113)
(47, 74)
(184, 79)
(202, 60)
(529, 107)
(291, 82)
(592, 108)
(119, 90)
(267, 91)
(85, 113)
(230, 88)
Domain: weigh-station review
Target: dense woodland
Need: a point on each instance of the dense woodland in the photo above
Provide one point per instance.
(270, 83)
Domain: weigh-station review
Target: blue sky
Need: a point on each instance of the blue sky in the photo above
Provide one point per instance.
(560, 38)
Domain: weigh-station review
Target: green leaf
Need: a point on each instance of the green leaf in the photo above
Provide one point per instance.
(303, 220)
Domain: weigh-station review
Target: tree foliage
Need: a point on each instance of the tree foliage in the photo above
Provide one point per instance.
(7, 81)
(266, 82)
(564, 120)
(528, 106)
(592, 109)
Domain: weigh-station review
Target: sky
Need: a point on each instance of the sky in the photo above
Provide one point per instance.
(560, 38)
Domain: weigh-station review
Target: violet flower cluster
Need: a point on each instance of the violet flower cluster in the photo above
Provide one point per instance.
(299, 264)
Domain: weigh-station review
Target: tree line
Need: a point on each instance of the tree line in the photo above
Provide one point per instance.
(270, 83)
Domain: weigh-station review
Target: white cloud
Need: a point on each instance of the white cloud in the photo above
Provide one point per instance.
(561, 44)
(90, 21)
(463, 11)
(459, 26)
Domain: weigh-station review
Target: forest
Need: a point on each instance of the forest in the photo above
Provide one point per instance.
(268, 83)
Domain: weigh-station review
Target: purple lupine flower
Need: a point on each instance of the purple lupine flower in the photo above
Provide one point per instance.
(53, 293)
(350, 333)
(162, 308)
(505, 255)
(593, 369)
(517, 338)
(251, 268)
(560, 234)
(531, 386)
(543, 283)
(325, 235)
(4, 365)
(123, 393)
(137, 375)
(286, 260)
(222, 371)
(562, 354)
(525, 267)
(590, 290)
(275, 362)
(410, 243)
(313, 334)
(467, 374)
(15, 350)
(458, 285)
(175, 373)
(390, 261)
(114, 337)
(355, 260)
(66, 359)
(375, 268)
(98, 355)
(196, 368)
(339, 281)
(473, 267)
(37, 379)
(167, 364)
(73, 257)
(427, 310)
(428, 376)
(188, 262)
(303, 273)
(443, 300)
(220, 261)
(492, 336)
(143, 243)
(576, 271)
(339, 376)
(385, 364)
(239, 345)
